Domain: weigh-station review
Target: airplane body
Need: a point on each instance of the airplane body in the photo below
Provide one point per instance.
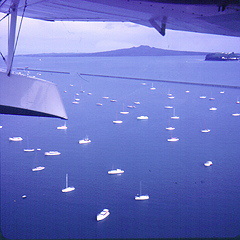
(220, 17)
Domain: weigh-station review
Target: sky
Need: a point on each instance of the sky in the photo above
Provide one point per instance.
(38, 36)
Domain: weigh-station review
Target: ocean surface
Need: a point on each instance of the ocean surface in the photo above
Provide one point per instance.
(187, 199)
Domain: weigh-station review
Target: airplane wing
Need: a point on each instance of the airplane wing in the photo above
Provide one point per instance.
(204, 16)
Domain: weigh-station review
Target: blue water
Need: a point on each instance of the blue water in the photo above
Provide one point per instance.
(186, 198)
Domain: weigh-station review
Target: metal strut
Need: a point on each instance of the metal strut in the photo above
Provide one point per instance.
(11, 36)
(162, 29)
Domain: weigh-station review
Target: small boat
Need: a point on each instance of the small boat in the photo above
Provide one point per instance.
(38, 169)
(174, 116)
(62, 127)
(205, 130)
(116, 171)
(124, 112)
(15, 139)
(208, 163)
(24, 196)
(77, 94)
(130, 106)
(52, 153)
(75, 102)
(89, 93)
(211, 98)
(152, 88)
(140, 196)
(202, 97)
(29, 150)
(39, 149)
(222, 92)
(137, 103)
(0, 126)
(238, 101)
(170, 128)
(99, 104)
(113, 100)
(77, 99)
(168, 107)
(142, 118)
(173, 139)
(71, 85)
(103, 214)
(117, 121)
(187, 91)
(143, 83)
(236, 114)
(67, 189)
(105, 97)
(84, 141)
(171, 97)
(213, 109)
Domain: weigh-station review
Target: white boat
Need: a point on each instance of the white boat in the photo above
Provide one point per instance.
(38, 169)
(211, 98)
(171, 97)
(84, 141)
(208, 163)
(39, 149)
(103, 214)
(117, 121)
(143, 83)
(29, 150)
(99, 104)
(15, 139)
(137, 103)
(168, 107)
(174, 116)
(24, 196)
(52, 153)
(140, 196)
(170, 128)
(152, 88)
(202, 97)
(113, 100)
(142, 118)
(62, 127)
(89, 93)
(173, 139)
(130, 106)
(187, 91)
(67, 188)
(222, 92)
(77, 99)
(205, 130)
(0, 126)
(74, 102)
(124, 112)
(236, 114)
(105, 97)
(213, 109)
(116, 171)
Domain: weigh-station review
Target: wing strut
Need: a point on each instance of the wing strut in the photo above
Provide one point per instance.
(162, 29)
(11, 37)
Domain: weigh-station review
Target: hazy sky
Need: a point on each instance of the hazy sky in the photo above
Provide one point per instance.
(40, 36)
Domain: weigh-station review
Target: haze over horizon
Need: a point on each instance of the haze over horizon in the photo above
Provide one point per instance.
(37, 36)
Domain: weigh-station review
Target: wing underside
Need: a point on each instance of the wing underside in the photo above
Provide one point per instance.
(208, 16)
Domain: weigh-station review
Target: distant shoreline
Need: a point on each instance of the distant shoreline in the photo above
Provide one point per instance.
(134, 51)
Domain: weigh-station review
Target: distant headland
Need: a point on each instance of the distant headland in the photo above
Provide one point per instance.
(134, 51)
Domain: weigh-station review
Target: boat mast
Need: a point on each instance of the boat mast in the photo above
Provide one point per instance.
(66, 180)
(140, 188)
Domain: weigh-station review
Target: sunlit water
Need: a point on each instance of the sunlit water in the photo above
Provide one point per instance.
(187, 199)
